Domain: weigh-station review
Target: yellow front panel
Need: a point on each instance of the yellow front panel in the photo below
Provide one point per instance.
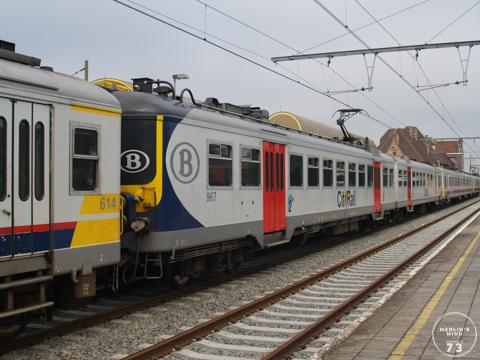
(91, 232)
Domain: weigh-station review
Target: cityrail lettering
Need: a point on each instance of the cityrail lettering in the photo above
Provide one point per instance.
(345, 198)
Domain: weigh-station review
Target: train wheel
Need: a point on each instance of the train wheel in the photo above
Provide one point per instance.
(179, 281)
(300, 240)
(233, 261)
(177, 275)
(10, 328)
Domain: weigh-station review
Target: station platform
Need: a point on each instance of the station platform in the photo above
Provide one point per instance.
(432, 317)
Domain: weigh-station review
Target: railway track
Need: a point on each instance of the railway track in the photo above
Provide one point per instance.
(108, 308)
(305, 316)
(111, 306)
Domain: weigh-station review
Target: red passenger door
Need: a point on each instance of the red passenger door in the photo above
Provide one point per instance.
(377, 191)
(273, 187)
(409, 188)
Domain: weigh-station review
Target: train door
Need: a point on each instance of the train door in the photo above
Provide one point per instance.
(5, 177)
(409, 188)
(273, 187)
(30, 185)
(377, 190)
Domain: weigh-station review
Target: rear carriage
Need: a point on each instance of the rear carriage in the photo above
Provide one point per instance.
(59, 192)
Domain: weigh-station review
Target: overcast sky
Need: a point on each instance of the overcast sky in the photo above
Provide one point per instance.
(121, 43)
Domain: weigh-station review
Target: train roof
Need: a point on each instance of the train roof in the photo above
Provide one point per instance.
(44, 81)
(145, 103)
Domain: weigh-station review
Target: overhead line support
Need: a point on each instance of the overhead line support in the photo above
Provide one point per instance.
(376, 51)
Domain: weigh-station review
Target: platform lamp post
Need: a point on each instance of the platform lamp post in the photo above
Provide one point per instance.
(179, 77)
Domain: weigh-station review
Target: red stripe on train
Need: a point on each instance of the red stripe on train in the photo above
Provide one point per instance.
(23, 229)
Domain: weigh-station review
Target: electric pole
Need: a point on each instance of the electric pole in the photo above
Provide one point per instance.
(85, 70)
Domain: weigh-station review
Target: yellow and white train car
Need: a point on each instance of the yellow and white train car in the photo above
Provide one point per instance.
(59, 184)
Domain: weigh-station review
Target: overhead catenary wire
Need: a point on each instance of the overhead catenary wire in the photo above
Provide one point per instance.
(340, 22)
(330, 68)
(223, 48)
(205, 34)
(453, 21)
(367, 25)
(414, 57)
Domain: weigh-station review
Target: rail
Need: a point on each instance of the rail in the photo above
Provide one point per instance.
(182, 339)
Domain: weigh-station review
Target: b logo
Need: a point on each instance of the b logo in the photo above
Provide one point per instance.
(134, 161)
(185, 163)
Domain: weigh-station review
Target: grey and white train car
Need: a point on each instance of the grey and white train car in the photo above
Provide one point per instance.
(59, 184)
(202, 181)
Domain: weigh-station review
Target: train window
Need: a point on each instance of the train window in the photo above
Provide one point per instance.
(3, 158)
(266, 165)
(405, 178)
(39, 160)
(250, 164)
(414, 179)
(327, 172)
(85, 159)
(270, 153)
(340, 173)
(277, 171)
(220, 165)
(385, 177)
(390, 177)
(369, 175)
(282, 172)
(361, 175)
(24, 160)
(400, 177)
(352, 175)
(296, 170)
(313, 171)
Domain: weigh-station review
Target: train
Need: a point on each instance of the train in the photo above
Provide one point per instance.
(102, 187)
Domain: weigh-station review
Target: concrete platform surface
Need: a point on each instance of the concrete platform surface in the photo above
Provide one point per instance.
(447, 286)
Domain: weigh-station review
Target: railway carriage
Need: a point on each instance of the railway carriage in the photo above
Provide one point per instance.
(59, 192)
(207, 182)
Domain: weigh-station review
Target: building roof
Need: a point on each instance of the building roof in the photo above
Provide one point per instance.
(447, 146)
(414, 145)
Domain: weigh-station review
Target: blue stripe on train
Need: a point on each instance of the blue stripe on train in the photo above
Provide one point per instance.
(34, 242)
(170, 214)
